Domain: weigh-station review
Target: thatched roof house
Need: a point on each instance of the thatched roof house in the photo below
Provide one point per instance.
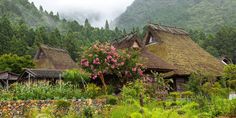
(175, 47)
(53, 58)
(128, 41)
(150, 61)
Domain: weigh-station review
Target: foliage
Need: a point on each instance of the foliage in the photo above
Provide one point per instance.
(206, 84)
(110, 99)
(220, 43)
(203, 15)
(179, 95)
(104, 59)
(14, 63)
(22, 37)
(132, 91)
(230, 72)
(76, 76)
(61, 104)
(157, 86)
(92, 91)
(41, 91)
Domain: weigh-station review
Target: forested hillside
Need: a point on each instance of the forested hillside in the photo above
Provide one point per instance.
(205, 15)
(23, 26)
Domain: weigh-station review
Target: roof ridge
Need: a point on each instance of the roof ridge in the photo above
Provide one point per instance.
(52, 48)
(168, 26)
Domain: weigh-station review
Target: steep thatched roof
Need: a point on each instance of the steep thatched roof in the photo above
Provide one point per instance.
(175, 47)
(53, 58)
(128, 41)
(153, 62)
(150, 61)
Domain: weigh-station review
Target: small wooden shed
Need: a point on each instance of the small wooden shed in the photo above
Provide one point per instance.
(40, 75)
(7, 78)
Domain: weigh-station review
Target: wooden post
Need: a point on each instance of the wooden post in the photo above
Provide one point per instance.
(60, 80)
(7, 81)
(29, 78)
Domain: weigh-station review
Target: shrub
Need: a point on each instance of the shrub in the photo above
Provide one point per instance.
(62, 104)
(157, 86)
(110, 99)
(92, 91)
(76, 76)
(102, 59)
(14, 63)
(132, 91)
(230, 75)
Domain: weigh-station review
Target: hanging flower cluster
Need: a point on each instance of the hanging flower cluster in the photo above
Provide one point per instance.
(101, 59)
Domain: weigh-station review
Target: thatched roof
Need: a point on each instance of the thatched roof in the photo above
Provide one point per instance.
(40, 74)
(53, 58)
(128, 41)
(175, 47)
(152, 62)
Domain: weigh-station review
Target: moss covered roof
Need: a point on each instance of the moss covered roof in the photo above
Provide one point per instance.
(180, 51)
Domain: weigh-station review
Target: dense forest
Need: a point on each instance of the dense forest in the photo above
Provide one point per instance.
(23, 26)
(206, 15)
(211, 23)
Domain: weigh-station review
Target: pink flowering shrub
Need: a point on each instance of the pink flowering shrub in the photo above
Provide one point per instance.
(103, 59)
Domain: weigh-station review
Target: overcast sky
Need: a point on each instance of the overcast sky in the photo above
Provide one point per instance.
(96, 10)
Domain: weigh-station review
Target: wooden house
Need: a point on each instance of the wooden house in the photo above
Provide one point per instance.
(174, 46)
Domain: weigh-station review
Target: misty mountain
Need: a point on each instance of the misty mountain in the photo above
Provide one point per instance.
(206, 15)
(22, 10)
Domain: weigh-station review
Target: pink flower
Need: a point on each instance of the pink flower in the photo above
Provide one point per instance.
(134, 69)
(113, 66)
(113, 48)
(109, 57)
(94, 77)
(122, 63)
(96, 61)
(113, 60)
(140, 72)
(84, 62)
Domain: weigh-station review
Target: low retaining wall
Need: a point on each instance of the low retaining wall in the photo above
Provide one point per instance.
(19, 108)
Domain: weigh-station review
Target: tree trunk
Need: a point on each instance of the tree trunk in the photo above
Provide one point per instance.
(103, 82)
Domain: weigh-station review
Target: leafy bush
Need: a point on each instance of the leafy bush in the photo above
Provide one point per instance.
(110, 99)
(92, 91)
(157, 86)
(230, 75)
(132, 91)
(14, 63)
(62, 104)
(103, 59)
(76, 76)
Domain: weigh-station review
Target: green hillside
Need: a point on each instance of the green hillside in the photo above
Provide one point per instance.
(205, 15)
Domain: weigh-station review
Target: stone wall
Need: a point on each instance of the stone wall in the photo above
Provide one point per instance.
(19, 108)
